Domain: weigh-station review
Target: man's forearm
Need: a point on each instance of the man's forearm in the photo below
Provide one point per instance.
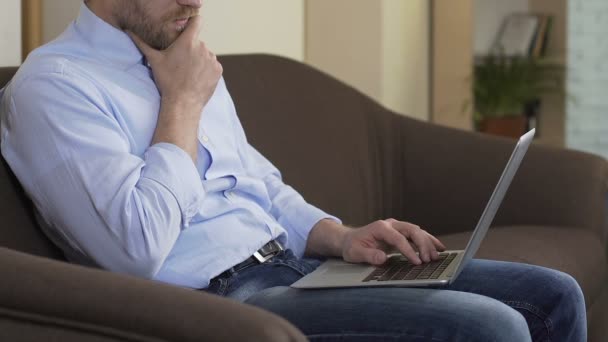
(326, 239)
(178, 125)
(186, 75)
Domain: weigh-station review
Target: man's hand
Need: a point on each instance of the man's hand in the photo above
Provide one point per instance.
(187, 70)
(371, 243)
(186, 75)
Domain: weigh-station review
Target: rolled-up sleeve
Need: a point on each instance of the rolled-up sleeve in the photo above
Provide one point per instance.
(172, 168)
(123, 210)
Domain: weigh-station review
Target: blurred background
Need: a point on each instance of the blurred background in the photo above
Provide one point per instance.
(492, 65)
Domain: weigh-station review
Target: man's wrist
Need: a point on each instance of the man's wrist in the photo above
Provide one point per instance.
(327, 238)
(178, 125)
(181, 106)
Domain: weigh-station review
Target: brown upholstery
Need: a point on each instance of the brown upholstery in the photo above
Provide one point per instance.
(70, 301)
(359, 161)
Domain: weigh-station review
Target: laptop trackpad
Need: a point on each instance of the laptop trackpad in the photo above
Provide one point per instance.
(346, 269)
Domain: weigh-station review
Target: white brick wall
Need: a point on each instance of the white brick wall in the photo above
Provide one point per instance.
(587, 109)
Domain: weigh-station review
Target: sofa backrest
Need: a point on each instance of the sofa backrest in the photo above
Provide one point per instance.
(18, 228)
(333, 144)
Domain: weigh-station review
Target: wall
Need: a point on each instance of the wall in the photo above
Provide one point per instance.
(246, 26)
(56, 15)
(344, 39)
(10, 33)
(587, 116)
(452, 62)
(406, 58)
(379, 47)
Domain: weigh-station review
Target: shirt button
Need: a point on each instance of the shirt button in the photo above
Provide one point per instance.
(205, 138)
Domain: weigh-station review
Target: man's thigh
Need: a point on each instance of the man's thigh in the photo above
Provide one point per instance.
(394, 314)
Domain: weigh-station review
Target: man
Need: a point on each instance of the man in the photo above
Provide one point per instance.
(123, 133)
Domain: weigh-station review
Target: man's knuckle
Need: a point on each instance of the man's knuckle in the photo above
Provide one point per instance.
(408, 248)
(381, 224)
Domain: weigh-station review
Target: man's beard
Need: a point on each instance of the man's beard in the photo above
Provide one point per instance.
(133, 15)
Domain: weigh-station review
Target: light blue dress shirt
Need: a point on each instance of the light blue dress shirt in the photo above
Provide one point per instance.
(78, 119)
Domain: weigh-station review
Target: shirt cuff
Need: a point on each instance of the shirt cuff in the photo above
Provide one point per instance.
(174, 169)
(307, 218)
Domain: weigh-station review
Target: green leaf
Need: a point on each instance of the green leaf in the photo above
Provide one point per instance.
(503, 84)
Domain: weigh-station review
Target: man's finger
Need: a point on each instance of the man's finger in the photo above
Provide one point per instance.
(394, 238)
(190, 33)
(145, 49)
(370, 255)
(192, 30)
(417, 236)
(424, 244)
(412, 232)
(438, 244)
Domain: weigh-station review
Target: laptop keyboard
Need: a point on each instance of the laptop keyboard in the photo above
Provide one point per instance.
(399, 268)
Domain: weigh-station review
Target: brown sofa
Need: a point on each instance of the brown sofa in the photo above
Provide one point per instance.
(351, 157)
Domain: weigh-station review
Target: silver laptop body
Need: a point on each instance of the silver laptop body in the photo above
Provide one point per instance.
(397, 271)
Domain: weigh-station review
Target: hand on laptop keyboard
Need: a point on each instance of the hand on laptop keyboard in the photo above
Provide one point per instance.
(370, 244)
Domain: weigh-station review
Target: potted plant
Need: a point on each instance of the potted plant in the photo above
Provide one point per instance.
(504, 85)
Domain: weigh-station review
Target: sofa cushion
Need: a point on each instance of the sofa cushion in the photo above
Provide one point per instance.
(577, 252)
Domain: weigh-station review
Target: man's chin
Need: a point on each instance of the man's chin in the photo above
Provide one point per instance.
(171, 36)
(163, 44)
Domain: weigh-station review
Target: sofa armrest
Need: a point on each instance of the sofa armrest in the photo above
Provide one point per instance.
(450, 174)
(44, 292)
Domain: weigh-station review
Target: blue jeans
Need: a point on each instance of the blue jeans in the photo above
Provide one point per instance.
(490, 301)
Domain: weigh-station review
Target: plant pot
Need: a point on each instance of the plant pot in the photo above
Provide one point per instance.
(511, 126)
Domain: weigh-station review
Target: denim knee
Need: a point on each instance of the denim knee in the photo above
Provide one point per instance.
(568, 317)
(567, 292)
(496, 321)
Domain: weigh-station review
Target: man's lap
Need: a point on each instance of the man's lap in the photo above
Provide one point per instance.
(394, 313)
(489, 297)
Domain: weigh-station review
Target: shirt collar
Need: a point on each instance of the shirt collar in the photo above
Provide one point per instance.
(107, 41)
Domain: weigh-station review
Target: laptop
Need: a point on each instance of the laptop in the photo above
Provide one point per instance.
(398, 271)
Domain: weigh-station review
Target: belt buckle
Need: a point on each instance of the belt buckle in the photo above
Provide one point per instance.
(262, 259)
